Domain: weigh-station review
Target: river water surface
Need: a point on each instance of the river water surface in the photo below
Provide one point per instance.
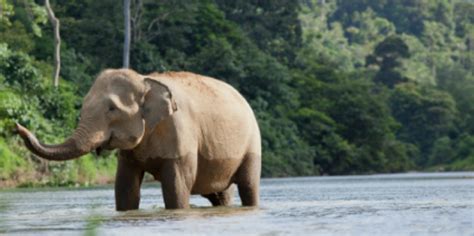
(398, 204)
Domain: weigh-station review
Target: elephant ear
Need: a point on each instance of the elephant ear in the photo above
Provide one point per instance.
(158, 103)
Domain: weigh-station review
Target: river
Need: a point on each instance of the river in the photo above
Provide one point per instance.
(393, 204)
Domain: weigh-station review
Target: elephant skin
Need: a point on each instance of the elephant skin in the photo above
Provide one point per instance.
(194, 134)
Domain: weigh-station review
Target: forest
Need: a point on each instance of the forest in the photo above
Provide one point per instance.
(339, 87)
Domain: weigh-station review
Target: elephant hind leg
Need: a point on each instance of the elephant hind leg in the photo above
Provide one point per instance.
(247, 179)
(223, 198)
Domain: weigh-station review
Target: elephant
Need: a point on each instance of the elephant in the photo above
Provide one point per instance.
(194, 134)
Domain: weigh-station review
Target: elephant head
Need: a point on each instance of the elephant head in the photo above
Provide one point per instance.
(115, 113)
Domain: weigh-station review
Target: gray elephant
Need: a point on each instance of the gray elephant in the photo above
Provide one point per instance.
(194, 134)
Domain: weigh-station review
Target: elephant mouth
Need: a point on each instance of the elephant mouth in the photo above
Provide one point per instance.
(105, 145)
(98, 150)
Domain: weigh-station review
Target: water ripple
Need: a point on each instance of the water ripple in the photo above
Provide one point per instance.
(406, 204)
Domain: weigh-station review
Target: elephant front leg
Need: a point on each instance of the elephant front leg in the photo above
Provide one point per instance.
(176, 192)
(128, 180)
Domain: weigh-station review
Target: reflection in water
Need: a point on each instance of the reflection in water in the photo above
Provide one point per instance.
(379, 204)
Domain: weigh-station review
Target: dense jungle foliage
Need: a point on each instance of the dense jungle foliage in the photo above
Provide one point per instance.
(338, 86)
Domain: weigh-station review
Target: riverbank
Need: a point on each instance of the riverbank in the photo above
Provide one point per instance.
(46, 180)
(34, 172)
(105, 176)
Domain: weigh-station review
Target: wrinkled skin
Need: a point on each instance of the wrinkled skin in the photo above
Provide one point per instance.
(194, 134)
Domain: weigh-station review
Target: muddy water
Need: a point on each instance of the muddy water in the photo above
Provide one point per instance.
(401, 204)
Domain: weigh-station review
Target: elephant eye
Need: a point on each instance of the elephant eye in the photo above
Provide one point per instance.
(112, 108)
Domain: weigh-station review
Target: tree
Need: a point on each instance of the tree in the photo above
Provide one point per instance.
(368, 28)
(126, 43)
(6, 10)
(57, 43)
(388, 57)
(272, 25)
(406, 15)
(425, 114)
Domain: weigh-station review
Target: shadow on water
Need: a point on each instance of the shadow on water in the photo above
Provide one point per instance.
(95, 221)
(162, 214)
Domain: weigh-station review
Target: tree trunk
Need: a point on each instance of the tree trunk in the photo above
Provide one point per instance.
(57, 43)
(126, 43)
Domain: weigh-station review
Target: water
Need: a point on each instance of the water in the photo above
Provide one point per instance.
(400, 204)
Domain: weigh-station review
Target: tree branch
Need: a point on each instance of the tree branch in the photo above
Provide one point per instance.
(136, 17)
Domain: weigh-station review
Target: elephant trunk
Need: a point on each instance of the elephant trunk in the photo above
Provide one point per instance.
(61, 152)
